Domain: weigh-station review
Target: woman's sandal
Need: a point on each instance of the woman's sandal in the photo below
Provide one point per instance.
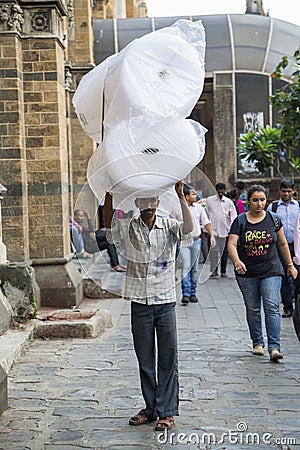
(164, 423)
(140, 418)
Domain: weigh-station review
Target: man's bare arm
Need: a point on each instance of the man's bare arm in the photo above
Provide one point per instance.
(188, 224)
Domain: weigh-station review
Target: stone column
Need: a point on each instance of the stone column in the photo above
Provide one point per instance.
(3, 258)
(42, 160)
(223, 131)
(80, 60)
(12, 134)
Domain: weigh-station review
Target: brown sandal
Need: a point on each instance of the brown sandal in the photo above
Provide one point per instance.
(140, 418)
(164, 423)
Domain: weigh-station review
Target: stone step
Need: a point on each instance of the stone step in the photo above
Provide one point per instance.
(77, 325)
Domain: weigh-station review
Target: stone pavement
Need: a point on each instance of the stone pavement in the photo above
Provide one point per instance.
(79, 393)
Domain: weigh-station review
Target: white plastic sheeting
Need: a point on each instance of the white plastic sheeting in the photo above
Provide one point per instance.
(159, 75)
(140, 98)
(164, 154)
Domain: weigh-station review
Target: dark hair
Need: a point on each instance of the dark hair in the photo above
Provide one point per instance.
(220, 186)
(233, 194)
(255, 188)
(240, 185)
(286, 183)
(186, 189)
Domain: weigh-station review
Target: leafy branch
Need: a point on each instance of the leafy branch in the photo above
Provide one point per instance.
(265, 147)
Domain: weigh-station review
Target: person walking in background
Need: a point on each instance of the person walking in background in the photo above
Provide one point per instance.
(221, 212)
(288, 210)
(296, 258)
(242, 194)
(190, 255)
(253, 241)
(150, 285)
(233, 195)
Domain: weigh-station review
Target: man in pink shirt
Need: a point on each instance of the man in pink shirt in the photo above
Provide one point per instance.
(221, 212)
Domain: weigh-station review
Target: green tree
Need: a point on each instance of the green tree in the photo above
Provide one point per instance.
(262, 148)
(266, 146)
(287, 103)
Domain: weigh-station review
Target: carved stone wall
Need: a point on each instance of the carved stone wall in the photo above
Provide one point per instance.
(13, 168)
(11, 17)
(34, 159)
(46, 47)
(108, 9)
(224, 138)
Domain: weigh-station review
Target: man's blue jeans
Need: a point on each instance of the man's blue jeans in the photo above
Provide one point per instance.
(151, 324)
(265, 291)
(190, 262)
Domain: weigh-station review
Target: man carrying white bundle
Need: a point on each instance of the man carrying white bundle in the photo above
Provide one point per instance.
(150, 285)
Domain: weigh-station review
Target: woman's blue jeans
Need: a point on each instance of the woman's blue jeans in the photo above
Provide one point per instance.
(190, 266)
(265, 291)
(77, 240)
(155, 342)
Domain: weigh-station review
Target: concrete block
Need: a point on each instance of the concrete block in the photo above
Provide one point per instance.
(60, 285)
(74, 328)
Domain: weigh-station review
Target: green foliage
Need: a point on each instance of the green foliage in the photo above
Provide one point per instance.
(287, 102)
(265, 146)
(262, 148)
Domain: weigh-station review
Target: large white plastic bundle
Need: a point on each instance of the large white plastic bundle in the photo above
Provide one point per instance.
(157, 76)
(164, 154)
(140, 98)
(88, 100)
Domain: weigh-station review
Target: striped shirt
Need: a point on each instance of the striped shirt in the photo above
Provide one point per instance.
(150, 254)
(288, 213)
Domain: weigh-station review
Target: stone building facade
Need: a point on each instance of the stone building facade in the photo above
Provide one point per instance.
(45, 48)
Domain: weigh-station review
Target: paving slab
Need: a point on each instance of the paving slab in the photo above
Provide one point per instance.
(69, 394)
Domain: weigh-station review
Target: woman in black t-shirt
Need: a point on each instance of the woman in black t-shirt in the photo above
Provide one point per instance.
(253, 242)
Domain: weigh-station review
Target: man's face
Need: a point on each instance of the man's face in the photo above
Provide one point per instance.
(192, 196)
(147, 206)
(286, 194)
(221, 193)
(79, 216)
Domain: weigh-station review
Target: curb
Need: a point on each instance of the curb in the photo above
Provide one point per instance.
(12, 344)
